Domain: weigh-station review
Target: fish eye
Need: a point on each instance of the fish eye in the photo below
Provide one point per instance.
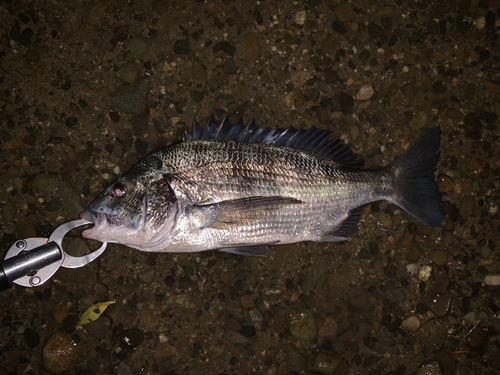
(118, 190)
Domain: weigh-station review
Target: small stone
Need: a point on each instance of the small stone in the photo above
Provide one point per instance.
(25, 229)
(294, 359)
(179, 299)
(9, 210)
(432, 334)
(467, 206)
(480, 22)
(329, 327)
(251, 46)
(131, 99)
(438, 299)
(301, 324)
(246, 302)
(491, 86)
(492, 280)
(128, 72)
(164, 350)
(199, 71)
(346, 103)
(433, 27)
(300, 17)
(439, 257)
(344, 12)
(445, 183)
(454, 113)
(365, 93)
(131, 338)
(225, 47)
(61, 353)
(385, 12)
(327, 363)
(255, 315)
(411, 323)
(114, 116)
(419, 120)
(234, 336)
(31, 337)
(182, 46)
(424, 273)
(196, 95)
(137, 47)
(32, 55)
(228, 67)
(148, 276)
(354, 132)
(13, 144)
(430, 369)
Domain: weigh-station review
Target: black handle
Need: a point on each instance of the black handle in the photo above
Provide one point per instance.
(4, 281)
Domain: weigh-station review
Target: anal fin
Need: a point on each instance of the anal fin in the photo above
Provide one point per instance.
(347, 227)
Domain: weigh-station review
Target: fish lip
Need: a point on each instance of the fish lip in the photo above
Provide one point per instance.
(98, 218)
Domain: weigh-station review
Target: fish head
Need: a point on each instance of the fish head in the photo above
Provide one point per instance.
(136, 210)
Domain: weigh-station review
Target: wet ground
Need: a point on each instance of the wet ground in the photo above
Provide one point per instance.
(88, 88)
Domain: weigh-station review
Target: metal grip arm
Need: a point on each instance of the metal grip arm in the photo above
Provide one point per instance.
(27, 262)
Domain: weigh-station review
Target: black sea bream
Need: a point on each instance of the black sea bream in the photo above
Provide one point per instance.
(238, 188)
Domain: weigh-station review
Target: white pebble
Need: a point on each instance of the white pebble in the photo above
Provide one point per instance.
(300, 17)
(480, 23)
(492, 279)
(365, 93)
(411, 324)
(425, 273)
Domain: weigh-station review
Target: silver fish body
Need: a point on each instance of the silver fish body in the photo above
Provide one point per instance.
(218, 191)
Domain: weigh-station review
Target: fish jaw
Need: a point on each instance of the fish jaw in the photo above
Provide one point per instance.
(100, 224)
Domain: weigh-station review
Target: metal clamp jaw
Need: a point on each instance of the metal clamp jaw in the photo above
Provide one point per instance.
(31, 262)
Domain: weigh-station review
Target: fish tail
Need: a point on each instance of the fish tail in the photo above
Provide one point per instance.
(416, 191)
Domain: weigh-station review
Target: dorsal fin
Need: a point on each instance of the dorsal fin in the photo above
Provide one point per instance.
(313, 140)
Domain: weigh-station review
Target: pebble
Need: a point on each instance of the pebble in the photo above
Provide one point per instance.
(234, 336)
(411, 323)
(480, 22)
(430, 369)
(61, 353)
(31, 337)
(199, 71)
(491, 86)
(301, 324)
(385, 12)
(179, 299)
(445, 183)
(354, 132)
(419, 120)
(251, 46)
(424, 273)
(346, 103)
(300, 17)
(327, 363)
(131, 338)
(164, 350)
(182, 46)
(294, 359)
(229, 67)
(148, 276)
(137, 47)
(13, 144)
(25, 229)
(438, 299)
(439, 257)
(344, 12)
(432, 334)
(225, 47)
(131, 99)
(9, 210)
(454, 113)
(365, 93)
(70, 198)
(255, 315)
(32, 55)
(467, 206)
(492, 280)
(128, 72)
(329, 327)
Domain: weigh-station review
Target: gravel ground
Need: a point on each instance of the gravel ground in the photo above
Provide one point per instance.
(88, 88)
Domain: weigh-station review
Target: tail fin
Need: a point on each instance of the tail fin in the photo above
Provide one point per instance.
(416, 190)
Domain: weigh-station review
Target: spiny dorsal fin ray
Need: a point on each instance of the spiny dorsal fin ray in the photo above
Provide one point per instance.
(313, 140)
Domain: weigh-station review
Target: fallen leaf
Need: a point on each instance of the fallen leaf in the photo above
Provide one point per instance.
(94, 312)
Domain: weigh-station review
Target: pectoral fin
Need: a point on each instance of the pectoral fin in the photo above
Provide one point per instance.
(239, 212)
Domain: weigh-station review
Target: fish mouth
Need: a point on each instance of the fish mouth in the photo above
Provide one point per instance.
(98, 218)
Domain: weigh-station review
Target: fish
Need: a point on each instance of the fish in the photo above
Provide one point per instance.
(238, 188)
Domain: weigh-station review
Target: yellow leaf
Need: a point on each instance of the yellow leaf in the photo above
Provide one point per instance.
(94, 312)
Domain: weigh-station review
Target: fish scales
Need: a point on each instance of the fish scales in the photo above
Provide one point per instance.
(240, 196)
